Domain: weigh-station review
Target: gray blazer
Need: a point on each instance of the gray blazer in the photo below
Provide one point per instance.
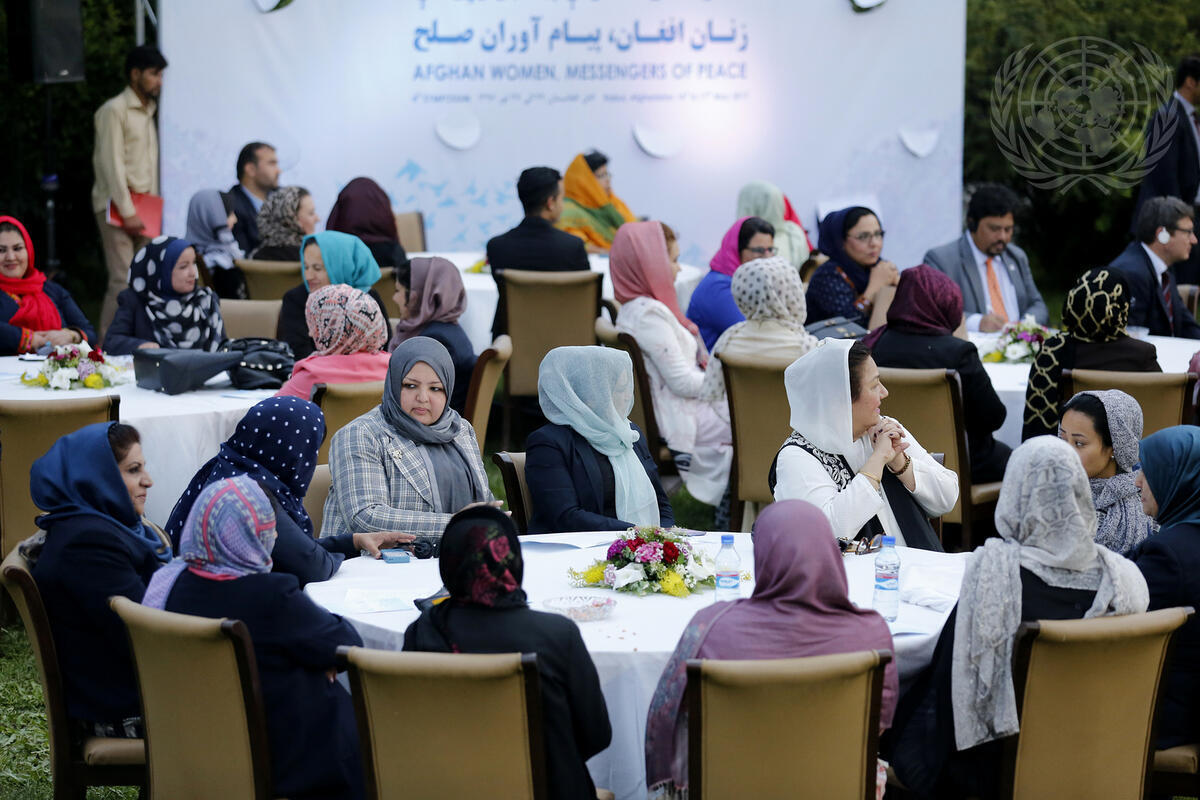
(381, 483)
(956, 260)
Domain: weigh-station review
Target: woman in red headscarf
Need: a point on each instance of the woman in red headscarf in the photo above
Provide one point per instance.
(33, 311)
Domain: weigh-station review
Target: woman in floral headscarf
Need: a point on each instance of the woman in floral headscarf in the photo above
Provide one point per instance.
(286, 217)
(487, 612)
(1092, 337)
(349, 330)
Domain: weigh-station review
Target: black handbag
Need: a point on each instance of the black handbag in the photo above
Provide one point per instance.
(260, 363)
(836, 328)
(174, 371)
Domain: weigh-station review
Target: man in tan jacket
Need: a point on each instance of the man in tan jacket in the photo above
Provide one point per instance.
(125, 160)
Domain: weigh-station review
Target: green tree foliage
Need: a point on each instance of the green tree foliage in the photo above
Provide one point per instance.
(1064, 232)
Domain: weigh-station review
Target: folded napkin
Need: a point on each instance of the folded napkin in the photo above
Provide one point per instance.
(933, 587)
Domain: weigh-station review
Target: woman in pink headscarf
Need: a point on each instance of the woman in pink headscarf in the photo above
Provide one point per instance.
(349, 331)
(643, 274)
(800, 607)
(712, 307)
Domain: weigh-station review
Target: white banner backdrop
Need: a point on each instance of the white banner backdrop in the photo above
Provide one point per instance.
(444, 102)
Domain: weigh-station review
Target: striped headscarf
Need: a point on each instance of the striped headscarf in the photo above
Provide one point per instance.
(343, 320)
(229, 533)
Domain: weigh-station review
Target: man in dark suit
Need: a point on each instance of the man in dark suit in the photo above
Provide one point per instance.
(993, 273)
(258, 176)
(1176, 172)
(1166, 233)
(535, 244)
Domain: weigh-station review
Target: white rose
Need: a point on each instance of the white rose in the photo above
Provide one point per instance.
(698, 568)
(1017, 351)
(630, 573)
(84, 349)
(61, 379)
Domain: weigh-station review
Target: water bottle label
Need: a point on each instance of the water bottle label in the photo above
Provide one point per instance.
(727, 581)
(887, 581)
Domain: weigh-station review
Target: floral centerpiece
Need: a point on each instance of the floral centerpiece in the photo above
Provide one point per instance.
(650, 559)
(1018, 342)
(76, 366)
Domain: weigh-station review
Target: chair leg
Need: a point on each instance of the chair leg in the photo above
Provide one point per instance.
(737, 510)
(506, 428)
(749, 514)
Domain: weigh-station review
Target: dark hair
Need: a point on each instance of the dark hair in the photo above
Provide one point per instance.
(595, 160)
(751, 226)
(859, 353)
(536, 186)
(668, 234)
(853, 216)
(990, 200)
(5, 227)
(1160, 212)
(1189, 67)
(122, 438)
(249, 155)
(1090, 406)
(145, 56)
(403, 274)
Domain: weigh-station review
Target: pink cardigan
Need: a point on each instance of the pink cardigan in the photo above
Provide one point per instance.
(354, 368)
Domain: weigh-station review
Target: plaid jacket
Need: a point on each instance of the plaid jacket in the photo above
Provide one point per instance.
(380, 482)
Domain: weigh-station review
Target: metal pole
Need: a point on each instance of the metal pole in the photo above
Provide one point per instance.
(50, 186)
(139, 23)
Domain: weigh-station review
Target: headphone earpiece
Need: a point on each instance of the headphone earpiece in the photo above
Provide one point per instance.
(1163, 236)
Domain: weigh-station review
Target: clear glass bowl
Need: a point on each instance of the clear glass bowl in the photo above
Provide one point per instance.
(582, 608)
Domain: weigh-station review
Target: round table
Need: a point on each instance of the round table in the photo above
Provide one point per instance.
(631, 648)
(482, 294)
(1010, 380)
(179, 432)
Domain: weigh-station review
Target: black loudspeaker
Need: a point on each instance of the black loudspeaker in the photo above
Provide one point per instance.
(45, 40)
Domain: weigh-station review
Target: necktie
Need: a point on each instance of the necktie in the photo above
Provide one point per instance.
(995, 296)
(1168, 300)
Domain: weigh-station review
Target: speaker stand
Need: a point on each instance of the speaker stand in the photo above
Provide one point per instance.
(50, 187)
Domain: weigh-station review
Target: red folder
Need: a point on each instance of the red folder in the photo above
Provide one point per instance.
(149, 207)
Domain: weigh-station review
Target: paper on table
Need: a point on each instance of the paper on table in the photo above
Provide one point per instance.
(370, 601)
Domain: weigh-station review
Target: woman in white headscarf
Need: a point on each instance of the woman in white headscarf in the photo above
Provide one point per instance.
(766, 201)
(1044, 565)
(865, 471)
(590, 469)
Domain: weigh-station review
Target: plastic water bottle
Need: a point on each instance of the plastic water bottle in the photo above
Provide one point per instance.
(729, 570)
(887, 580)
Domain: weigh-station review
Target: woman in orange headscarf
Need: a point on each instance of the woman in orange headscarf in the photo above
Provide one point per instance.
(33, 311)
(591, 211)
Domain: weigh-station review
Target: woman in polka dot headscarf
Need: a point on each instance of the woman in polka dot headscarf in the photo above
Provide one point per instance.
(164, 306)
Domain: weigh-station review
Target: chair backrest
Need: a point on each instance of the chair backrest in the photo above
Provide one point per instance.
(270, 280)
(410, 227)
(546, 310)
(516, 490)
(385, 287)
(201, 703)
(430, 704)
(1190, 293)
(314, 499)
(246, 318)
(1079, 737)
(1165, 397)
(793, 727)
(341, 403)
(27, 429)
(484, 380)
(928, 402)
(759, 416)
(643, 401)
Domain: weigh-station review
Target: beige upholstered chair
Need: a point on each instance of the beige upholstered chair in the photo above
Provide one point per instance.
(1190, 293)
(928, 402)
(250, 318)
(270, 280)
(314, 499)
(432, 703)
(1177, 771)
(27, 429)
(759, 417)
(410, 227)
(545, 310)
(785, 728)
(341, 403)
(484, 380)
(99, 761)
(171, 651)
(385, 287)
(1079, 737)
(512, 470)
(1165, 397)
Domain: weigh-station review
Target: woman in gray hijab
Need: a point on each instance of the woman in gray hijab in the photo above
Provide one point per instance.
(210, 220)
(1044, 565)
(413, 462)
(1104, 428)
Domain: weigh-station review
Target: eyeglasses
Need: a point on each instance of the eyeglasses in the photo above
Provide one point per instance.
(763, 252)
(1184, 231)
(860, 547)
(867, 238)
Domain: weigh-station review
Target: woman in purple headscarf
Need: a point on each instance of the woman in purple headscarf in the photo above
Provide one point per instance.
(800, 607)
(712, 307)
(855, 282)
(363, 209)
(919, 334)
(224, 570)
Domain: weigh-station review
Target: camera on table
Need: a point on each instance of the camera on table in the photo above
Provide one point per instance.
(426, 547)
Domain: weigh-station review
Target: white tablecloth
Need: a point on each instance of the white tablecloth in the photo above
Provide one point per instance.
(631, 648)
(179, 433)
(1010, 380)
(482, 294)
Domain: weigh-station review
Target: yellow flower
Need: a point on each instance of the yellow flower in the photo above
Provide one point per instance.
(994, 357)
(594, 574)
(672, 584)
(94, 381)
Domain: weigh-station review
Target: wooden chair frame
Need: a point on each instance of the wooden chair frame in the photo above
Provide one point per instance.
(475, 390)
(1066, 390)
(521, 510)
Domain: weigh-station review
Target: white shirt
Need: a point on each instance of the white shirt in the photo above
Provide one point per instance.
(1190, 122)
(800, 476)
(1007, 290)
(1160, 266)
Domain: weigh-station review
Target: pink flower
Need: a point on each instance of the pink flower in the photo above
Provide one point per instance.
(85, 368)
(499, 548)
(610, 575)
(649, 552)
(615, 549)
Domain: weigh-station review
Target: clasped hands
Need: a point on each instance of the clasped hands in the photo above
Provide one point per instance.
(888, 439)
